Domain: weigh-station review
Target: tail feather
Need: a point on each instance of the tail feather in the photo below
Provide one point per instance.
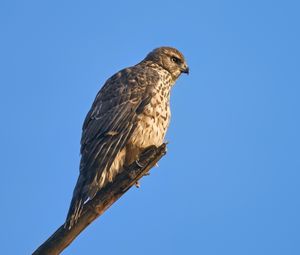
(79, 197)
(74, 213)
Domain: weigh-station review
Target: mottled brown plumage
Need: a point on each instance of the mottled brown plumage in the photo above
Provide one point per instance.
(130, 113)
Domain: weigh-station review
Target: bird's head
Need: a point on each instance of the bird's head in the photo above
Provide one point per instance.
(170, 59)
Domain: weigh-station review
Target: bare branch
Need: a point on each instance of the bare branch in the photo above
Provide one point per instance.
(102, 201)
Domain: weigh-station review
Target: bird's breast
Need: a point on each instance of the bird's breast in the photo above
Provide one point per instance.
(153, 121)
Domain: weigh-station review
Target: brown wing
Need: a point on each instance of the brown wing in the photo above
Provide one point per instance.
(107, 128)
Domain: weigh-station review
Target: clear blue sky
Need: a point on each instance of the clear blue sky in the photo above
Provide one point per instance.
(230, 183)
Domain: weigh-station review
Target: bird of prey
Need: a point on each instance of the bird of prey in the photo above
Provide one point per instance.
(130, 113)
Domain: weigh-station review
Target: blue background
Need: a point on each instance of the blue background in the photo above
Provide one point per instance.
(230, 183)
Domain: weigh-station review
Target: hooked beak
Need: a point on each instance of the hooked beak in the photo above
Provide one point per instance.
(185, 69)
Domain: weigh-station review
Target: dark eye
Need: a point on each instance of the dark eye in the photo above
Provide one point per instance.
(175, 60)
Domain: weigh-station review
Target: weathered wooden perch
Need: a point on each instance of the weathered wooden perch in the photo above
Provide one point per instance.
(102, 201)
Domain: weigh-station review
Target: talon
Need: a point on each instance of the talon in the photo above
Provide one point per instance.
(139, 163)
(146, 174)
(156, 165)
(137, 184)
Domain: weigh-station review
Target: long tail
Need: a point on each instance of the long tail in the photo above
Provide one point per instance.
(76, 206)
(74, 213)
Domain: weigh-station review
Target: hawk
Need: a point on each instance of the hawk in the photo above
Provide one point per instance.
(130, 113)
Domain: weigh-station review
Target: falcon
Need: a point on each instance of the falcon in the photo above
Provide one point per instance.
(130, 113)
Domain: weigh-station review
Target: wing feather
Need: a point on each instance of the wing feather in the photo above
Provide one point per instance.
(114, 111)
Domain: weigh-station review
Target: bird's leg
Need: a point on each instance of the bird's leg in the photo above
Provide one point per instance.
(137, 184)
(141, 165)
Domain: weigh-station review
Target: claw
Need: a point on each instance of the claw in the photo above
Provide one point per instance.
(137, 184)
(139, 163)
